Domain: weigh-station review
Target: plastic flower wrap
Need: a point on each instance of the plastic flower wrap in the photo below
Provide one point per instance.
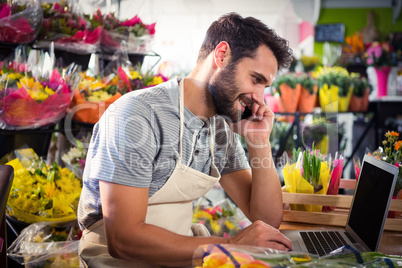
(223, 219)
(136, 36)
(286, 85)
(236, 256)
(336, 175)
(42, 192)
(310, 173)
(28, 101)
(334, 88)
(19, 23)
(69, 31)
(46, 244)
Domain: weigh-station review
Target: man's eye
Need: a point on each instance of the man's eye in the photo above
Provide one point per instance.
(256, 80)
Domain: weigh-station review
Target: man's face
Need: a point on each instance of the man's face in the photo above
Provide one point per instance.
(241, 85)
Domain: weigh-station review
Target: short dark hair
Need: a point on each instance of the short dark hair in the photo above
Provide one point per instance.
(244, 36)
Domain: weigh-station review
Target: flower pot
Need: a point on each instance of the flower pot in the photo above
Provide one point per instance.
(307, 101)
(355, 104)
(289, 100)
(365, 103)
(382, 80)
(329, 98)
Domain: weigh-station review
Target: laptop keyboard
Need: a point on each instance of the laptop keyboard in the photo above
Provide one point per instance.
(322, 242)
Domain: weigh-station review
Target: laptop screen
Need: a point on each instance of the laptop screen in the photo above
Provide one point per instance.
(371, 201)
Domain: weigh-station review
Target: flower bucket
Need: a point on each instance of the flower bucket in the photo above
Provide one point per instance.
(329, 98)
(382, 80)
(87, 111)
(289, 100)
(307, 101)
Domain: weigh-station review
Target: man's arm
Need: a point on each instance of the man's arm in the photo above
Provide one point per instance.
(129, 237)
(257, 192)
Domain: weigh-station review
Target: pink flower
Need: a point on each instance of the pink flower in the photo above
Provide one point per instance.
(59, 8)
(397, 164)
(370, 61)
(151, 28)
(377, 51)
(135, 20)
(5, 10)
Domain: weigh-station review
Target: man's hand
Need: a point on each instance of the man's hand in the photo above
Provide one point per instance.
(262, 235)
(257, 128)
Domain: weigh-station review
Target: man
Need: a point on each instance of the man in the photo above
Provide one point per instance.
(156, 150)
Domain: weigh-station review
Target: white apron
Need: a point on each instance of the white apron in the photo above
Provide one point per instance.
(170, 208)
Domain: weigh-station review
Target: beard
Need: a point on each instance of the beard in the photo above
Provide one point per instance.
(224, 90)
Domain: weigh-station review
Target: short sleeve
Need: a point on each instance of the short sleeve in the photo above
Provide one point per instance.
(236, 156)
(123, 145)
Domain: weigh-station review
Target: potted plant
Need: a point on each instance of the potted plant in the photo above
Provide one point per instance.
(361, 91)
(289, 94)
(334, 88)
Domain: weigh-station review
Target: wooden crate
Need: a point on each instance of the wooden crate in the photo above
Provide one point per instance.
(339, 215)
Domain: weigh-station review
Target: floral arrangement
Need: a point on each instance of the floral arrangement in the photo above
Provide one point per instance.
(379, 54)
(391, 152)
(334, 88)
(42, 192)
(97, 93)
(30, 102)
(136, 34)
(75, 159)
(222, 220)
(69, 30)
(336, 175)
(353, 49)
(310, 173)
(19, 23)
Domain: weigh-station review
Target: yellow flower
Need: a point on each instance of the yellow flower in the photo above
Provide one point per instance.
(229, 225)
(14, 76)
(155, 81)
(50, 189)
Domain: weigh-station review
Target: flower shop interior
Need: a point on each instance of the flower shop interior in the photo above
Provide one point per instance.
(64, 62)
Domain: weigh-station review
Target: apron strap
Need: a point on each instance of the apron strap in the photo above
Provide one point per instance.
(211, 140)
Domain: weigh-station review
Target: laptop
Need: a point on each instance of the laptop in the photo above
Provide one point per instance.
(367, 214)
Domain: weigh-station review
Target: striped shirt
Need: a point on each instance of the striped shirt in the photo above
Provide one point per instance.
(136, 143)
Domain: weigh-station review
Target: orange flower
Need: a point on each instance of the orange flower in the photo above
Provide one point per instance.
(398, 145)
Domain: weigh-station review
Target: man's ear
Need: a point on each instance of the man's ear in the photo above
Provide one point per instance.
(222, 54)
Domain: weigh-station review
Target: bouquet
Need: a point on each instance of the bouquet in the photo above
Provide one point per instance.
(136, 36)
(334, 88)
(69, 31)
(75, 158)
(46, 244)
(379, 54)
(29, 101)
(42, 192)
(391, 152)
(19, 23)
(223, 219)
(309, 173)
(96, 94)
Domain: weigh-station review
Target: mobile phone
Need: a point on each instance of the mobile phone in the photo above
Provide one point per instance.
(246, 114)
